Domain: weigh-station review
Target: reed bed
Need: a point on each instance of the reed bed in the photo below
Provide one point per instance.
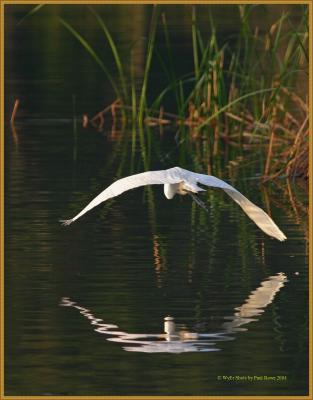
(241, 94)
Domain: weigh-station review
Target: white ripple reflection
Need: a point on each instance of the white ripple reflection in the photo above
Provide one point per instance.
(178, 340)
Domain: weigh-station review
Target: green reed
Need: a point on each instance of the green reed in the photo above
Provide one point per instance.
(238, 92)
(115, 53)
(150, 51)
(87, 46)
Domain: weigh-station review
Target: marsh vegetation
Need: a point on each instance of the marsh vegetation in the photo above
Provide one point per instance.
(244, 91)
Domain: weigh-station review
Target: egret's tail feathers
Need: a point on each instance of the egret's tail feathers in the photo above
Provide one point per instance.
(261, 219)
(66, 222)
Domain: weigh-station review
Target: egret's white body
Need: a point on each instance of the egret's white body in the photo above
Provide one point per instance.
(180, 181)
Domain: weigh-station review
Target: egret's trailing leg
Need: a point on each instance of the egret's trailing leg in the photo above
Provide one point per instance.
(197, 199)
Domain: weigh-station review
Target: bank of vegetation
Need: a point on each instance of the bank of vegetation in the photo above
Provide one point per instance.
(245, 97)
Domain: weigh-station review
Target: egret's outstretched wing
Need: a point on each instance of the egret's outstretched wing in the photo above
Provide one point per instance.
(190, 179)
(261, 219)
(128, 183)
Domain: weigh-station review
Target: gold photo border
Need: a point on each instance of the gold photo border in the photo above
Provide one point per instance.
(2, 133)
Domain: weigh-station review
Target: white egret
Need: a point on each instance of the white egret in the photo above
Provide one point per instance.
(181, 181)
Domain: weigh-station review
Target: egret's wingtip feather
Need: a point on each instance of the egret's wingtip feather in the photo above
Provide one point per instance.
(66, 222)
(280, 236)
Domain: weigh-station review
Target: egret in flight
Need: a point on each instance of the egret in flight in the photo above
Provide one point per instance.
(181, 181)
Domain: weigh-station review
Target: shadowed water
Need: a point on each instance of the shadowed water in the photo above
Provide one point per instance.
(130, 263)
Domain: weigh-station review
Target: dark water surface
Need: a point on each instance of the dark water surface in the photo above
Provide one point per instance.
(85, 304)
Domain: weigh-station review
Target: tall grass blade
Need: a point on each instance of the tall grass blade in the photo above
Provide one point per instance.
(92, 52)
(221, 110)
(30, 13)
(114, 51)
(194, 42)
(133, 88)
(173, 85)
(151, 42)
(171, 70)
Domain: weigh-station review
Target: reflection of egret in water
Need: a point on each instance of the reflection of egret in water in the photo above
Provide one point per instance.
(256, 302)
(177, 339)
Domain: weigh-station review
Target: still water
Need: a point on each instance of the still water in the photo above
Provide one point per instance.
(142, 296)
